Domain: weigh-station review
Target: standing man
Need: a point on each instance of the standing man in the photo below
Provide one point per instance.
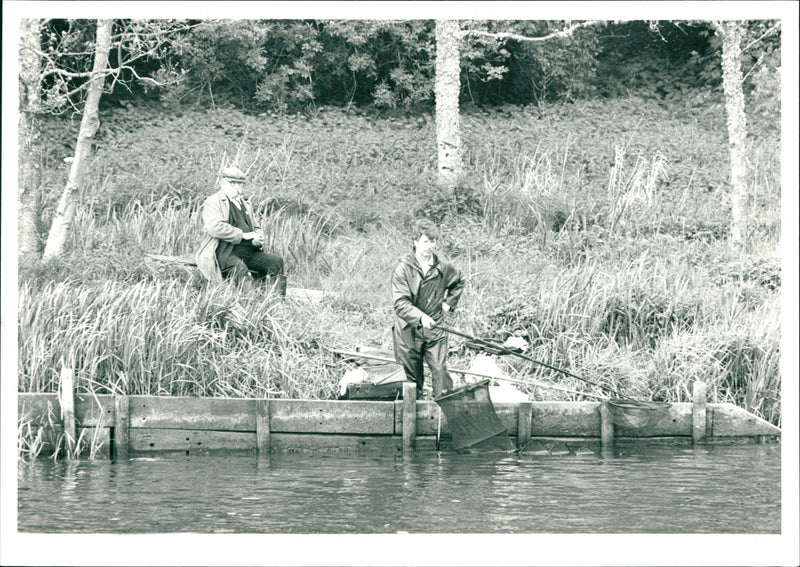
(234, 241)
(424, 288)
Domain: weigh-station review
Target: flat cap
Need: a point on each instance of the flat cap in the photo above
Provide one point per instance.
(233, 173)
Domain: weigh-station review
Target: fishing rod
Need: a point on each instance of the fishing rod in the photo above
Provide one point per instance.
(503, 350)
(470, 373)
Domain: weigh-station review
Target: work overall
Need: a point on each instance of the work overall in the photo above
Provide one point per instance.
(412, 346)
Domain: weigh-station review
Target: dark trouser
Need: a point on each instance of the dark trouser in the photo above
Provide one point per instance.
(412, 346)
(245, 258)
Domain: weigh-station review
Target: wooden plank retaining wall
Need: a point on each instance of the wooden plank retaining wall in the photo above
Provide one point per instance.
(119, 425)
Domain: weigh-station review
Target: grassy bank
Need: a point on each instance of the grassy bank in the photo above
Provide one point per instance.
(597, 229)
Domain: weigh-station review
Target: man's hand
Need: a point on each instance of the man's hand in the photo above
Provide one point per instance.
(256, 238)
(427, 322)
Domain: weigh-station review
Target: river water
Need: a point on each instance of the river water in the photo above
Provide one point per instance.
(636, 489)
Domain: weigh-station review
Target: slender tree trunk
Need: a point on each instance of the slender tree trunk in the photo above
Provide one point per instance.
(737, 124)
(90, 122)
(448, 87)
(29, 133)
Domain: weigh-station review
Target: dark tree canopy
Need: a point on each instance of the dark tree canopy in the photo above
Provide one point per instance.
(291, 65)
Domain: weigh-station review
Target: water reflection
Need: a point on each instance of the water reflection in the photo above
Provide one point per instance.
(714, 489)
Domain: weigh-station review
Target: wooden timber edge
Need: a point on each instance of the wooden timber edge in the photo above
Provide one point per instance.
(118, 426)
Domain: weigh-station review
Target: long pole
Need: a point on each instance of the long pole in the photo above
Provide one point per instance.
(470, 373)
(504, 350)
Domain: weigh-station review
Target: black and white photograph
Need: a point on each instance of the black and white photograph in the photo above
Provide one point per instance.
(400, 283)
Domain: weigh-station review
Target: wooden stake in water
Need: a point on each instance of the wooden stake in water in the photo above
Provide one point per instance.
(698, 412)
(606, 426)
(121, 426)
(439, 428)
(409, 415)
(262, 426)
(67, 403)
(524, 419)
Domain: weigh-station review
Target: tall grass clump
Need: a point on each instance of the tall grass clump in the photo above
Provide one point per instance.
(48, 438)
(542, 196)
(634, 304)
(619, 321)
(533, 191)
(31, 439)
(165, 339)
(738, 358)
(625, 164)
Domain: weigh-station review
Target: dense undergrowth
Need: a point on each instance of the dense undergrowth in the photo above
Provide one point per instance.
(598, 230)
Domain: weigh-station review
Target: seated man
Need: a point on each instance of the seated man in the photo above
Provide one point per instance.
(234, 241)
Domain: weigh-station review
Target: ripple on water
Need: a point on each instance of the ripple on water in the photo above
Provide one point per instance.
(716, 489)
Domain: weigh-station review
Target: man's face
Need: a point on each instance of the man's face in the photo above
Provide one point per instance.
(424, 246)
(233, 188)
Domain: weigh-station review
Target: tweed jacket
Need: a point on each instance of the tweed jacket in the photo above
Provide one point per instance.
(215, 211)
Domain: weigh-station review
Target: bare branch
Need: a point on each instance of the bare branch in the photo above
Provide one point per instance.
(122, 61)
(67, 96)
(109, 71)
(770, 31)
(59, 53)
(566, 32)
(654, 27)
(76, 90)
(114, 81)
(116, 71)
(70, 74)
(134, 41)
(680, 28)
(755, 66)
(160, 34)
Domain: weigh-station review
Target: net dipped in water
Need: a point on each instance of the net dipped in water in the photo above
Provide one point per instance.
(471, 418)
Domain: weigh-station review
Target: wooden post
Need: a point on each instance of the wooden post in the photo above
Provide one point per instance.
(606, 426)
(67, 402)
(122, 424)
(409, 415)
(262, 426)
(524, 424)
(698, 412)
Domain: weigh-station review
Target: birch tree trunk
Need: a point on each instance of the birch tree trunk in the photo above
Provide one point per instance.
(448, 87)
(30, 67)
(90, 122)
(737, 124)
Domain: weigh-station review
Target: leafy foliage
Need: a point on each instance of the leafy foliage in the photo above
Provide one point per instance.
(299, 65)
(670, 60)
(663, 59)
(286, 65)
(521, 72)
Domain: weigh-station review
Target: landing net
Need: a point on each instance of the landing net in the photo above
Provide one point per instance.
(472, 420)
